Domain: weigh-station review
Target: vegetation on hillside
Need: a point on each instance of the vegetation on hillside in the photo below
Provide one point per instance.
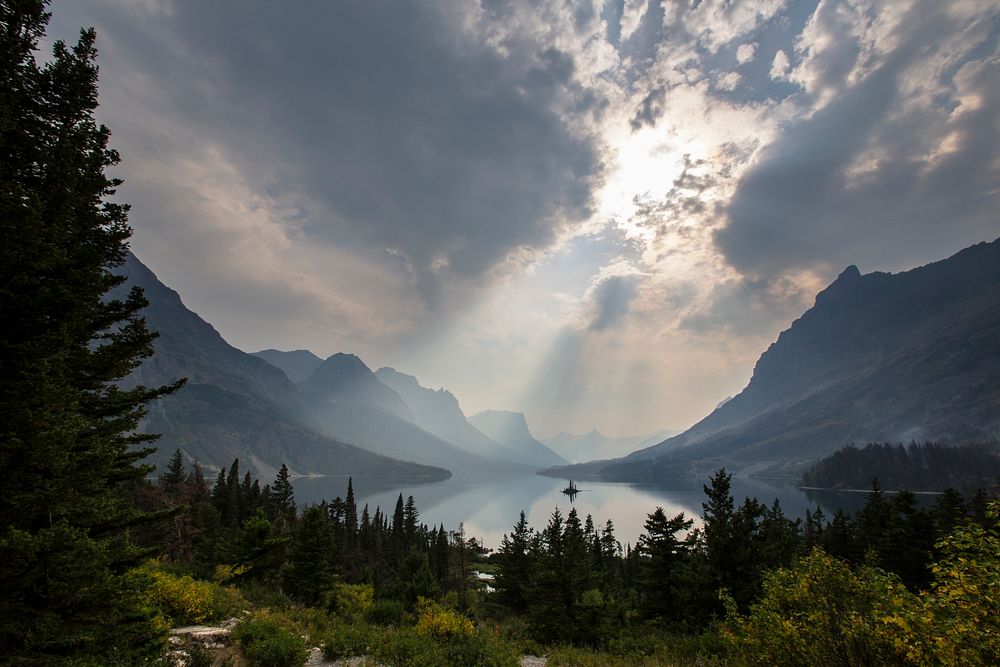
(917, 467)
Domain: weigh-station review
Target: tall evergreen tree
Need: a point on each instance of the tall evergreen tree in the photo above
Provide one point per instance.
(514, 558)
(175, 473)
(282, 500)
(663, 553)
(309, 573)
(69, 442)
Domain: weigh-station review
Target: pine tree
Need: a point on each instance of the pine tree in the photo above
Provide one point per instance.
(663, 553)
(282, 501)
(309, 574)
(410, 525)
(69, 443)
(175, 474)
(514, 558)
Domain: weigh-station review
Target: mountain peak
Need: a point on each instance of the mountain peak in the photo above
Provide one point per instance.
(850, 273)
(297, 364)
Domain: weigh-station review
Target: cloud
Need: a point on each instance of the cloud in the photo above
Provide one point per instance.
(746, 52)
(609, 300)
(389, 127)
(780, 65)
(895, 162)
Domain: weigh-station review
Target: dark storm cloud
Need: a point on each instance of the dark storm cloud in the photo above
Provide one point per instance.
(388, 126)
(609, 300)
(809, 202)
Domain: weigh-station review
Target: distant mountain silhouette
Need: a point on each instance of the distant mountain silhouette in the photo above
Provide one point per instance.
(879, 357)
(596, 445)
(297, 364)
(438, 412)
(348, 402)
(511, 430)
(344, 378)
(234, 405)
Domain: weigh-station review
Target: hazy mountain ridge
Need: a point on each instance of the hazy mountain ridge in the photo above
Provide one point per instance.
(344, 378)
(348, 402)
(879, 357)
(595, 445)
(439, 413)
(510, 429)
(298, 365)
(234, 405)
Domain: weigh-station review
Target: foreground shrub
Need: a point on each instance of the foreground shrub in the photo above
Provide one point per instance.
(386, 612)
(270, 642)
(958, 620)
(180, 599)
(440, 623)
(406, 647)
(352, 602)
(820, 612)
(350, 641)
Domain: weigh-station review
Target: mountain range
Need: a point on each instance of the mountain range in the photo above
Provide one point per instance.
(879, 357)
(234, 405)
(320, 417)
(594, 445)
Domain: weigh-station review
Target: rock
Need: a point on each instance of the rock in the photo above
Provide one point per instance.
(208, 636)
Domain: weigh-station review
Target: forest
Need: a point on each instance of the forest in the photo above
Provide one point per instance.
(915, 467)
(360, 581)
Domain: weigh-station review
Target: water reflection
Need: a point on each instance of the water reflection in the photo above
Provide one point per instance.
(490, 508)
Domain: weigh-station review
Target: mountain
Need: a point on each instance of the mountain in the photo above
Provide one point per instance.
(511, 430)
(348, 402)
(879, 357)
(234, 405)
(344, 378)
(596, 445)
(438, 412)
(297, 364)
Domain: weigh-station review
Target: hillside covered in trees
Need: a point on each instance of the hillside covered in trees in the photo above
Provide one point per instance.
(916, 467)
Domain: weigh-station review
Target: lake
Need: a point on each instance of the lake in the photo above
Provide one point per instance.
(489, 508)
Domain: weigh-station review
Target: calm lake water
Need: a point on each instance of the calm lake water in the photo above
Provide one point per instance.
(488, 509)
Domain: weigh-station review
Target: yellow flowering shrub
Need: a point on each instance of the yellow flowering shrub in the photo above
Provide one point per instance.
(353, 601)
(182, 599)
(435, 621)
(822, 612)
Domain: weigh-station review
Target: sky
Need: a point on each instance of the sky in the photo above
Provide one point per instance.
(597, 213)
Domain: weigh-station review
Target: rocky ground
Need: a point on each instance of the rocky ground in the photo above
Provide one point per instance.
(217, 641)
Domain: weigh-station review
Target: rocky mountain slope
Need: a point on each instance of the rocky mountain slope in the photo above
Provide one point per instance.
(879, 357)
(234, 405)
(347, 402)
(438, 412)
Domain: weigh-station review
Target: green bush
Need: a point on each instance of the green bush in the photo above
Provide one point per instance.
(386, 612)
(352, 602)
(349, 641)
(268, 642)
(820, 612)
(405, 647)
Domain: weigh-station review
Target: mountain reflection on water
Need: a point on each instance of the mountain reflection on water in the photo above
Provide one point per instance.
(489, 508)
